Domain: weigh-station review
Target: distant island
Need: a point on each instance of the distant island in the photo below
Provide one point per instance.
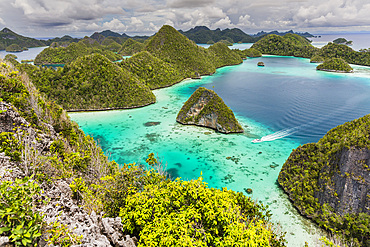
(342, 41)
(298, 46)
(198, 34)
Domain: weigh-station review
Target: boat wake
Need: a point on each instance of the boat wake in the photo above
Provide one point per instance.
(290, 131)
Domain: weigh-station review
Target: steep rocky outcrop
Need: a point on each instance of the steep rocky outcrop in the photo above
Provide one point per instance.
(329, 181)
(350, 182)
(206, 108)
(61, 207)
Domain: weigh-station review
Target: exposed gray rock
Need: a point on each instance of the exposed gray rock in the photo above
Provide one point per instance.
(350, 182)
(206, 108)
(4, 242)
(60, 207)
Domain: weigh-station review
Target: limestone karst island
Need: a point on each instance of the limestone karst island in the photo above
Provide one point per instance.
(148, 134)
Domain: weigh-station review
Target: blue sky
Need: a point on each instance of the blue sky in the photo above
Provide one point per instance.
(50, 18)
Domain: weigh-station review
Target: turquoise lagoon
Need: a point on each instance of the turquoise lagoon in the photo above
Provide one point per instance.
(287, 96)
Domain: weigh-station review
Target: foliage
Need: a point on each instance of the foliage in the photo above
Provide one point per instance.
(173, 47)
(8, 37)
(189, 59)
(213, 105)
(64, 55)
(154, 72)
(202, 35)
(61, 235)
(332, 50)
(91, 82)
(287, 45)
(185, 213)
(10, 56)
(131, 47)
(342, 41)
(223, 55)
(17, 218)
(251, 52)
(312, 166)
(13, 48)
(317, 59)
(336, 65)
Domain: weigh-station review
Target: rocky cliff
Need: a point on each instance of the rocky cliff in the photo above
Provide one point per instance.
(42, 155)
(60, 208)
(206, 108)
(329, 181)
(350, 182)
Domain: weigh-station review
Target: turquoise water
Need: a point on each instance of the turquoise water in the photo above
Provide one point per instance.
(287, 95)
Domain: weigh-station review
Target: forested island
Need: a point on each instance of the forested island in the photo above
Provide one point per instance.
(294, 45)
(329, 181)
(56, 183)
(335, 65)
(50, 157)
(205, 108)
(91, 81)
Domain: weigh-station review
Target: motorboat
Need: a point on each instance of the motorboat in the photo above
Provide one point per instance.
(257, 141)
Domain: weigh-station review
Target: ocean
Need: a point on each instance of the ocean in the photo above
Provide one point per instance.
(288, 102)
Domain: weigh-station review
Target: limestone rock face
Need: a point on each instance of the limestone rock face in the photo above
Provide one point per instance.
(206, 108)
(61, 207)
(351, 183)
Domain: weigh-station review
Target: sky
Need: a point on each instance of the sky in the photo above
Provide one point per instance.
(55, 18)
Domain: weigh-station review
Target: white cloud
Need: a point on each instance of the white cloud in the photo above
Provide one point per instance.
(114, 25)
(147, 16)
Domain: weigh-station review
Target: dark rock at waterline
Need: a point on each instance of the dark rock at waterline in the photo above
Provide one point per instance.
(248, 191)
(260, 64)
(149, 124)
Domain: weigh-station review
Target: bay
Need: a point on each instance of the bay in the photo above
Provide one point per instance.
(286, 96)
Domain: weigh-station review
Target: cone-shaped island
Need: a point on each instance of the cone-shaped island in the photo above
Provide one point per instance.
(206, 108)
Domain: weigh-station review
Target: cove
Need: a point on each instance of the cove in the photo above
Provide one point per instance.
(287, 95)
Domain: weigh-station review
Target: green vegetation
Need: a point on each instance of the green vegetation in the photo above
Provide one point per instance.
(223, 56)
(17, 217)
(173, 47)
(317, 59)
(332, 50)
(203, 35)
(153, 71)
(294, 45)
(208, 103)
(311, 168)
(8, 37)
(342, 41)
(147, 201)
(251, 52)
(188, 213)
(91, 82)
(14, 48)
(130, 47)
(335, 65)
(10, 57)
(261, 64)
(190, 60)
(287, 45)
(64, 55)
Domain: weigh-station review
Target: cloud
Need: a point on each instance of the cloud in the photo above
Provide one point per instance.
(188, 3)
(114, 25)
(2, 21)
